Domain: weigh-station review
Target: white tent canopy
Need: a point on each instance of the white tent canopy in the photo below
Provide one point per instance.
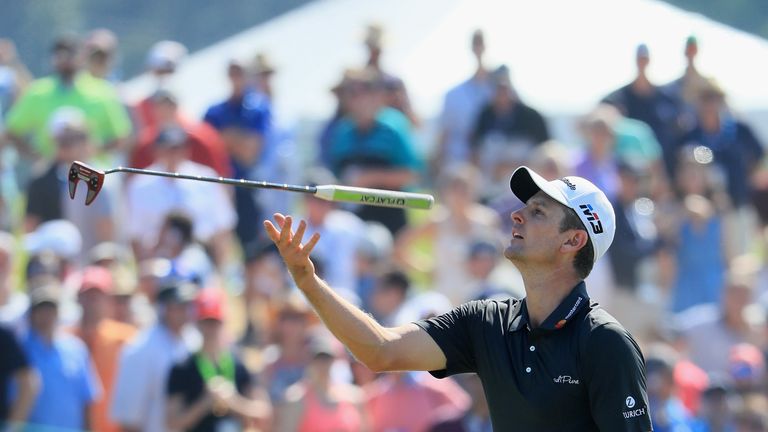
(564, 55)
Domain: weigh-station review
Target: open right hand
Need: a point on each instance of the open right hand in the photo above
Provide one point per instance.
(294, 253)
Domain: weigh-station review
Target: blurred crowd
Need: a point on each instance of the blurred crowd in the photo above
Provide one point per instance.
(163, 306)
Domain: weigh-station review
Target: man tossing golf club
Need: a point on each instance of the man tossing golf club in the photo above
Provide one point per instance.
(553, 361)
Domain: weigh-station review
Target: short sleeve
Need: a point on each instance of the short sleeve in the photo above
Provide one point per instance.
(176, 380)
(454, 332)
(132, 391)
(13, 358)
(243, 379)
(21, 118)
(117, 123)
(616, 380)
(91, 382)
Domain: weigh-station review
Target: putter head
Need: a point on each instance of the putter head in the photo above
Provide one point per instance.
(91, 176)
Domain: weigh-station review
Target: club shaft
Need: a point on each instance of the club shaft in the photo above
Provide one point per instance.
(337, 193)
(222, 180)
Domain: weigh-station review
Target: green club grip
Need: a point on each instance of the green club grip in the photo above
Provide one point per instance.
(375, 197)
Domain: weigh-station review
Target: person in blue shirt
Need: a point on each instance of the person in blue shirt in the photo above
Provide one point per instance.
(69, 382)
(373, 147)
(243, 121)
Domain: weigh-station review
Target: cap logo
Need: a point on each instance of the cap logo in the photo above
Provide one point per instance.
(592, 218)
(568, 183)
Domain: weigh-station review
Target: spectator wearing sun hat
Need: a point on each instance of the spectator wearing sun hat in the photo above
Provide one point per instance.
(103, 337)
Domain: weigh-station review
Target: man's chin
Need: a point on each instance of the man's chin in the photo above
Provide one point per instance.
(512, 254)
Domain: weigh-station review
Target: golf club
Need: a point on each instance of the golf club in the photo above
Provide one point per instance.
(377, 197)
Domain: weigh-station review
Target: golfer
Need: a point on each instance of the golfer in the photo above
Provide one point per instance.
(553, 361)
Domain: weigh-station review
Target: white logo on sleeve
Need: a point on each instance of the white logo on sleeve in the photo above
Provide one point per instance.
(632, 413)
(630, 402)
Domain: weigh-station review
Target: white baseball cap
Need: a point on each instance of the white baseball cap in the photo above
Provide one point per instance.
(579, 194)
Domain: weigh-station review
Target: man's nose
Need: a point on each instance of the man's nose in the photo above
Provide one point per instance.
(517, 217)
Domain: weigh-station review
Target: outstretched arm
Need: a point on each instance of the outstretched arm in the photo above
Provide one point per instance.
(380, 348)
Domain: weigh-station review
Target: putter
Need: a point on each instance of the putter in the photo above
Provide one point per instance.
(376, 197)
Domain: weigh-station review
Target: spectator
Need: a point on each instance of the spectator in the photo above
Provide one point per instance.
(686, 88)
(735, 149)
(317, 403)
(644, 101)
(418, 399)
(205, 145)
(389, 297)
(372, 257)
(708, 332)
(395, 93)
(176, 243)
(482, 260)
(374, 148)
(341, 230)
(668, 414)
(341, 93)
(150, 199)
(715, 413)
(461, 107)
(107, 120)
(15, 372)
(449, 232)
(212, 390)
(14, 77)
(13, 303)
(697, 231)
(476, 418)
(162, 61)
(746, 365)
(103, 337)
(138, 402)
(636, 246)
(504, 134)
(48, 193)
(100, 52)
(752, 416)
(70, 383)
(263, 71)
(287, 359)
(59, 238)
(243, 120)
(124, 297)
(599, 163)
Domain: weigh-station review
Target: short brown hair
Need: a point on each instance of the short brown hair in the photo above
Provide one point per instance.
(584, 259)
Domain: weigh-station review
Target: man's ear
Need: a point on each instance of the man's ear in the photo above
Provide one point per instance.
(576, 240)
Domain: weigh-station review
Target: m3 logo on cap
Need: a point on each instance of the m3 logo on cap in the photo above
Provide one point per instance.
(592, 218)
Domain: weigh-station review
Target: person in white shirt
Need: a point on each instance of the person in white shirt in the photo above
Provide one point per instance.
(138, 402)
(342, 232)
(151, 199)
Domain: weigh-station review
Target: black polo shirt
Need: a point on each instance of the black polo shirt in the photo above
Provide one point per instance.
(579, 371)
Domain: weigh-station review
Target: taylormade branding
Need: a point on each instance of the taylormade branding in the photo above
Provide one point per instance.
(379, 200)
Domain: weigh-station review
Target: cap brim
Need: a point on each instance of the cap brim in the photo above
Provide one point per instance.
(526, 183)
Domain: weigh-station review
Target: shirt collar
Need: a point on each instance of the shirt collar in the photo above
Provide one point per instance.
(567, 309)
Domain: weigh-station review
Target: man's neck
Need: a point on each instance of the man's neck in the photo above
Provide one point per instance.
(211, 350)
(642, 84)
(545, 289)
(90, 322)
